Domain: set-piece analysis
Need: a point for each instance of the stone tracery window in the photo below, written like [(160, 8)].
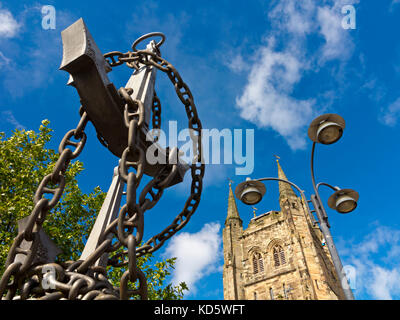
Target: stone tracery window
[(279, 256), (258, 263), (255, 264)]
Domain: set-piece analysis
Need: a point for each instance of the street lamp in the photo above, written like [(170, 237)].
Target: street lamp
[(328, 129), (343, 201), (250, 192)]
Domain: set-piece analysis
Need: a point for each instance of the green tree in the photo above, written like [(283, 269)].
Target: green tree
[(24, 161)]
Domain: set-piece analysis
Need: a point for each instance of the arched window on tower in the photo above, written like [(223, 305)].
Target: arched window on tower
[(279, 256), (255, 264), (258, 263)]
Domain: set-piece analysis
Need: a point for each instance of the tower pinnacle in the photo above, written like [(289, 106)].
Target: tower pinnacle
[(285, 189), (232, 208)]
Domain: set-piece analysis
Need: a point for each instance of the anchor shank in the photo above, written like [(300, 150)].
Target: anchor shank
[(108, 213)]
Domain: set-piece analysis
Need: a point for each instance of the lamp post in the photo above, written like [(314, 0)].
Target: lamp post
[(326, 129)]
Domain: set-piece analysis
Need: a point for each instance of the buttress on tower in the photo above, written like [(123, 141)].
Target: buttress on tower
[(281, 254)]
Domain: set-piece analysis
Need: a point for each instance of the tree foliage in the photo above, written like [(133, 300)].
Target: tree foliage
[(24, 161)]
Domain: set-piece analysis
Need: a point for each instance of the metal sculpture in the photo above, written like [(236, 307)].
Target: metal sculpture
[(122, 122)]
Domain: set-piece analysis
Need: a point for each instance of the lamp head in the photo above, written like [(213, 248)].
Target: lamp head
[(343, 200), (326, 129), (250, 192)]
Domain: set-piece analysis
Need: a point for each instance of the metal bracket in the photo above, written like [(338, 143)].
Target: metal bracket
[(319, 210), (47, 250)]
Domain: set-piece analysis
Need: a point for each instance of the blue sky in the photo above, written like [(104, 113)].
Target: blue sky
[(271, 66)]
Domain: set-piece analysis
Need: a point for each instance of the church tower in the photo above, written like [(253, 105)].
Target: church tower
[(280, 255), (231, 238)]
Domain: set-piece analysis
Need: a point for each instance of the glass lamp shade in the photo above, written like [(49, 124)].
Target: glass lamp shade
[(329, 132), (250, 192), (326, 129), (345, 204), (251, 195), (343, 201)]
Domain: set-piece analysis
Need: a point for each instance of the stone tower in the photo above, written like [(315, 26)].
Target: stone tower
[(280, 255)]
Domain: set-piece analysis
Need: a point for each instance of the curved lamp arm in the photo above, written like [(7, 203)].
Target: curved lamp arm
[(317, 196), (327, 185), (312, 168), (316, 187), (297, 188)]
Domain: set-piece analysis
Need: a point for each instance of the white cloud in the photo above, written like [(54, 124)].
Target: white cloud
[(4, 61), (296, 17), (8, 25), (237, 63), (38, 43), (376, 261), (337, 42), (391, 114), (393, 4), (268, 98), (385, 283), (198, 254), (8, 116)]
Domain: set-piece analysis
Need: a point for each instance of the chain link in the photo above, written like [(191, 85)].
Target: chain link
[(156, 119)]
